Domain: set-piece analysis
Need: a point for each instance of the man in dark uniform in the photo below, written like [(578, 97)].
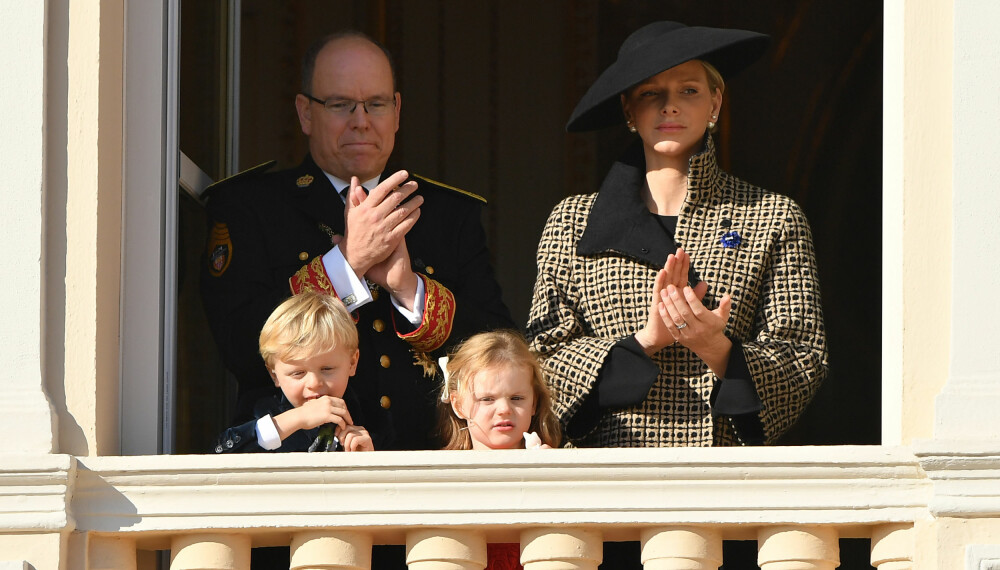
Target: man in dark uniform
[(406, 255)]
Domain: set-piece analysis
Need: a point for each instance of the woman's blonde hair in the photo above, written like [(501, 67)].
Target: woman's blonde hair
[(305, 325), (715, 80), (489, 350)]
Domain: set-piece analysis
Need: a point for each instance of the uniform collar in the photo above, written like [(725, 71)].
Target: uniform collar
[(340, 184), (312, 193)]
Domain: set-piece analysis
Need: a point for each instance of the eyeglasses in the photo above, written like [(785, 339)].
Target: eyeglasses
[(345, 107)]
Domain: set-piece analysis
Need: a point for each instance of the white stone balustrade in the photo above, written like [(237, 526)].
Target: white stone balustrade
[(681, 548), (446, 506)]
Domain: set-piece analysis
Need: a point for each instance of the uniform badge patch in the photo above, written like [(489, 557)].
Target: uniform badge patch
[(304, 181), (220, 249)]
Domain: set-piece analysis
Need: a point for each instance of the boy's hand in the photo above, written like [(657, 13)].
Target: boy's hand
[(355, 438), (313, 413)]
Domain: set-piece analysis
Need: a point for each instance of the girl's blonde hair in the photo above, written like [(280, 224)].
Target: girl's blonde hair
[(489, 350), (305, 325)]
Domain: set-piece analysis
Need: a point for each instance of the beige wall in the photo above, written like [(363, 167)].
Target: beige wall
[(926, 210), (93, 227), (22, 159), (42, 551)]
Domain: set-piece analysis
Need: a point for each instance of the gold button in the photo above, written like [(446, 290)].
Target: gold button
[(385, 402), (384, 361), (303, 256), (374, 294), (430, 270), (378, 325)]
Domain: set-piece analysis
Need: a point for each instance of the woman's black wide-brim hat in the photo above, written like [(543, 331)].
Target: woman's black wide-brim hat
[(657, 47)]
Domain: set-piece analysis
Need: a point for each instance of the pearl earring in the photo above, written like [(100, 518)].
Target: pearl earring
[(630, 126), (711, 124)]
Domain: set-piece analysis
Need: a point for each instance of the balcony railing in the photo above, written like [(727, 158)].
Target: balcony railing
[(445, 506)]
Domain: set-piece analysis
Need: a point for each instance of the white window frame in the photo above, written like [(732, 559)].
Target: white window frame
[(149, 280)]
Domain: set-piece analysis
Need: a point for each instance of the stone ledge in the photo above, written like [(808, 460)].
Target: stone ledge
[(513, 489), (965, 476), (36, 492)]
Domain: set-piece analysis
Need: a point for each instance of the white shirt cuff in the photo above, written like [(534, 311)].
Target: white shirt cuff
[(416, 316), (353, 292), (267, 433)]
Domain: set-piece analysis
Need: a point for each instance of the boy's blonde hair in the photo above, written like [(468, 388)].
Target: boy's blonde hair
[(305, 325), (490, 350)]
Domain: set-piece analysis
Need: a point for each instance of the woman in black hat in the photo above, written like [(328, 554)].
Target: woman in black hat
[(678, 305)]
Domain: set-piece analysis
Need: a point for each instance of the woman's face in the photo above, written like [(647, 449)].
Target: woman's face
[(671, 109)]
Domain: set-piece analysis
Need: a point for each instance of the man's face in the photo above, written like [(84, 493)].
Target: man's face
[(358, 144)]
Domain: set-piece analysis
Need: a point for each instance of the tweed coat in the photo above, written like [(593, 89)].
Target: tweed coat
[(268, 227), (597, 260)]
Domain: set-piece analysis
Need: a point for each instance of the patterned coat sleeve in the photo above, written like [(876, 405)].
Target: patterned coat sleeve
[(571, 356), (787, 357)]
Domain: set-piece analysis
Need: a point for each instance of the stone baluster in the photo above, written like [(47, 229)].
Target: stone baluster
[(445, 549), (324, 550), (892, 547), (561, 549), (681, 548), (210, 552), (798, 548)]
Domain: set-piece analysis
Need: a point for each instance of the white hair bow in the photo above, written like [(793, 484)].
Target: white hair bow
[(445, 392)]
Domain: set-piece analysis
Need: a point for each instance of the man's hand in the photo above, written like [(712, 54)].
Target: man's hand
[(396, 276), (374, 225)]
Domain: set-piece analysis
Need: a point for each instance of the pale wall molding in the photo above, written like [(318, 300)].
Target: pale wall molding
[(614, 489), (36, 493), (965, 476)]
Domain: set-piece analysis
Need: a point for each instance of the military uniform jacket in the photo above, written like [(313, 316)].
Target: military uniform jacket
[(270, 230), (597, 260)]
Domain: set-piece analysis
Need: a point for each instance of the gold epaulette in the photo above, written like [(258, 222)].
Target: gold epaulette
[(452, 188), (243, 173)]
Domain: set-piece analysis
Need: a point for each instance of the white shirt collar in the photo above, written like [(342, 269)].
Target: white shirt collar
[(339, 184)]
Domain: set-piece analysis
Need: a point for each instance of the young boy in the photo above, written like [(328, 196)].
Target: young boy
[(310, 347)]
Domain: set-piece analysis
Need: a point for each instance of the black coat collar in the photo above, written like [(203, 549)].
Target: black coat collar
[(620, 223), (312, 193)]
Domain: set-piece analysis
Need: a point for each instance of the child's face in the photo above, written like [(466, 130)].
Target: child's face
[(499, 408), (325, 374)]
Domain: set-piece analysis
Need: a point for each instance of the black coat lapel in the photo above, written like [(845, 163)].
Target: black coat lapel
[(619, 221)]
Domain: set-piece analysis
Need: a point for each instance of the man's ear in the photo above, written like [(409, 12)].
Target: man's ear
[(274, 377), (304, 110), (399, 104)]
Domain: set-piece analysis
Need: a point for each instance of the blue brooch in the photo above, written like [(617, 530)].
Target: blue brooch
[(731, 239)]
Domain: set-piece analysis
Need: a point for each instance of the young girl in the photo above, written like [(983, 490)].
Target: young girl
[(494, 396)]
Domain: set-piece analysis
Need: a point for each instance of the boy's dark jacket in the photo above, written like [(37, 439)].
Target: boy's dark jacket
[(243, 438)]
